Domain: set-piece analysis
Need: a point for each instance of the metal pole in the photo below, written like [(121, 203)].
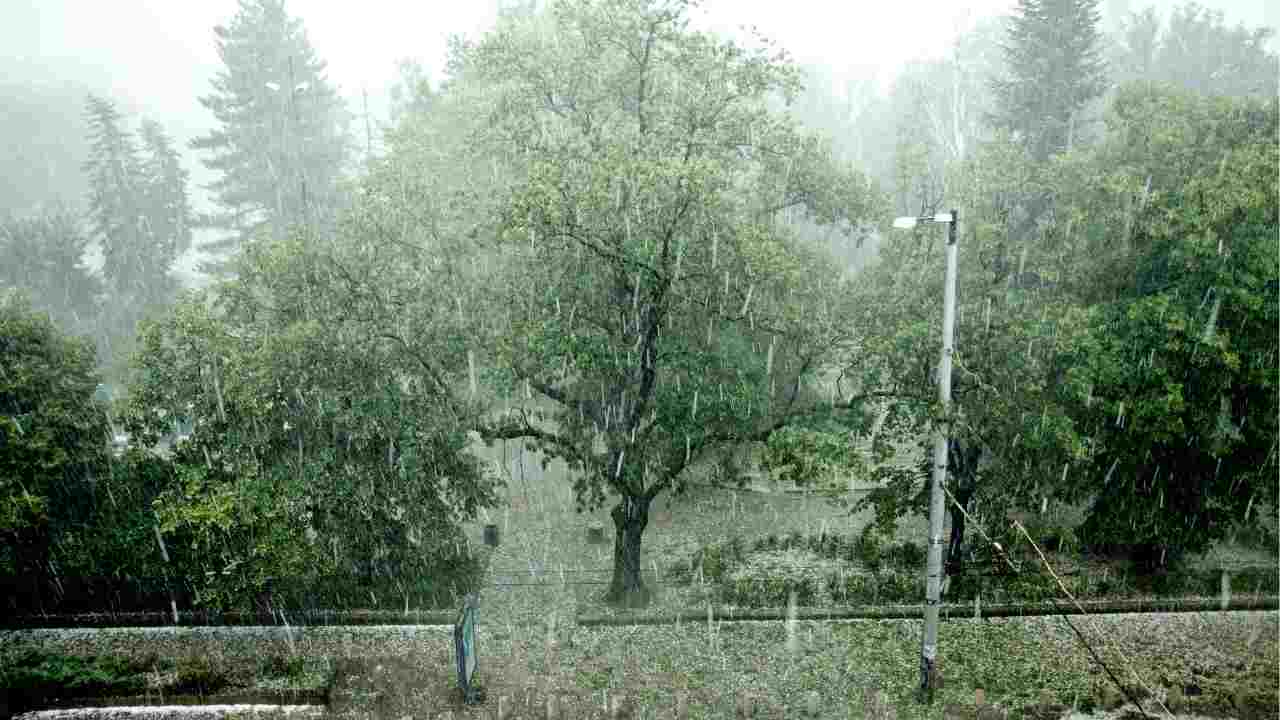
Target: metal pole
[(933, 571)]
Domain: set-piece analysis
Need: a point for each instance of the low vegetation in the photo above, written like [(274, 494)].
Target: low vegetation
[(1213, 664), (37, 677)]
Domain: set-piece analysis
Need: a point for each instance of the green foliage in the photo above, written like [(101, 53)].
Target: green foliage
[(1174, 382), (318, 449), (198, 674), (869, 549), (36, 677), (630, 210), (1120, 382), (52, 436), (812, 458), (44, 256)]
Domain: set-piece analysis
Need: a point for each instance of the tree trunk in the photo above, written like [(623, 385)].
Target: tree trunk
[(963, 464), (955, 550), (630, 517)]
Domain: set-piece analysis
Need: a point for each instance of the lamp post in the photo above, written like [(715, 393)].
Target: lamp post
[(933, 569)]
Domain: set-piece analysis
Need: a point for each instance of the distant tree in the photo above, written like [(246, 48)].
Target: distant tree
[(165, 204), (1199, 52), (412, 94), (44, 256), (281, 145), (137, 211), (116, 216), (1137, 52), (40, 164), (1053, 68)]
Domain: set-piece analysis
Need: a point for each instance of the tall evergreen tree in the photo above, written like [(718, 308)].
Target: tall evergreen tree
[(166, 205), (137, 210), (115, 210), (115, 178), (283, 142), (1054, 67)]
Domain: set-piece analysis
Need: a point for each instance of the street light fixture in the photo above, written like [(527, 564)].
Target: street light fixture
[(906, 223), (933, 569)]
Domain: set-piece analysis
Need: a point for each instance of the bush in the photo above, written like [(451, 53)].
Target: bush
[(909, 556), (856, 589), (869, 550), (52, 432), (197, 674), (35, 678)]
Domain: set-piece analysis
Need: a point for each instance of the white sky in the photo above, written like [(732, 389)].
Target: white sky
[(160, 55)]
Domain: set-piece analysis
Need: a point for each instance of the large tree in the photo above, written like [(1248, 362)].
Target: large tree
[(653, 290), (281, 145), (1127, 367), (1053, 68), (600, 198), (115, 211)]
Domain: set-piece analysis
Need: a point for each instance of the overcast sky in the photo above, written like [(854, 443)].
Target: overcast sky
[(155, 57)]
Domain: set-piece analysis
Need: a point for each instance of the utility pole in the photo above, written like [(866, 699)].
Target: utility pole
[(933, 568)]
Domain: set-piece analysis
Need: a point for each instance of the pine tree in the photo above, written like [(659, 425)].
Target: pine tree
[(138, 211), (1054, 67), (166, 206), (283, 142), (115, 203)]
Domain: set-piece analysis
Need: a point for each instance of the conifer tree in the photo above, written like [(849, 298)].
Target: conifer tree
[(282, 142), (166, 205), (1054, 67), (138, 212), (115, 213)]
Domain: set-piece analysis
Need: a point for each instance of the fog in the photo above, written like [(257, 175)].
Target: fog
[(155, 57), (458, 308)]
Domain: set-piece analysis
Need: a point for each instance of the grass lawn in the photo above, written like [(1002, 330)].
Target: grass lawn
[(1224, 664)]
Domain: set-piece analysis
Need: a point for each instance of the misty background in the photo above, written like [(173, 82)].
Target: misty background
[(154, 59)]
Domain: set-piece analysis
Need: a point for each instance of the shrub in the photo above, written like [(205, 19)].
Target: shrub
[(734, 548), (197, 674), (909, 556), (870, 550), (856, 589), (36, 677), (714, 564)]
